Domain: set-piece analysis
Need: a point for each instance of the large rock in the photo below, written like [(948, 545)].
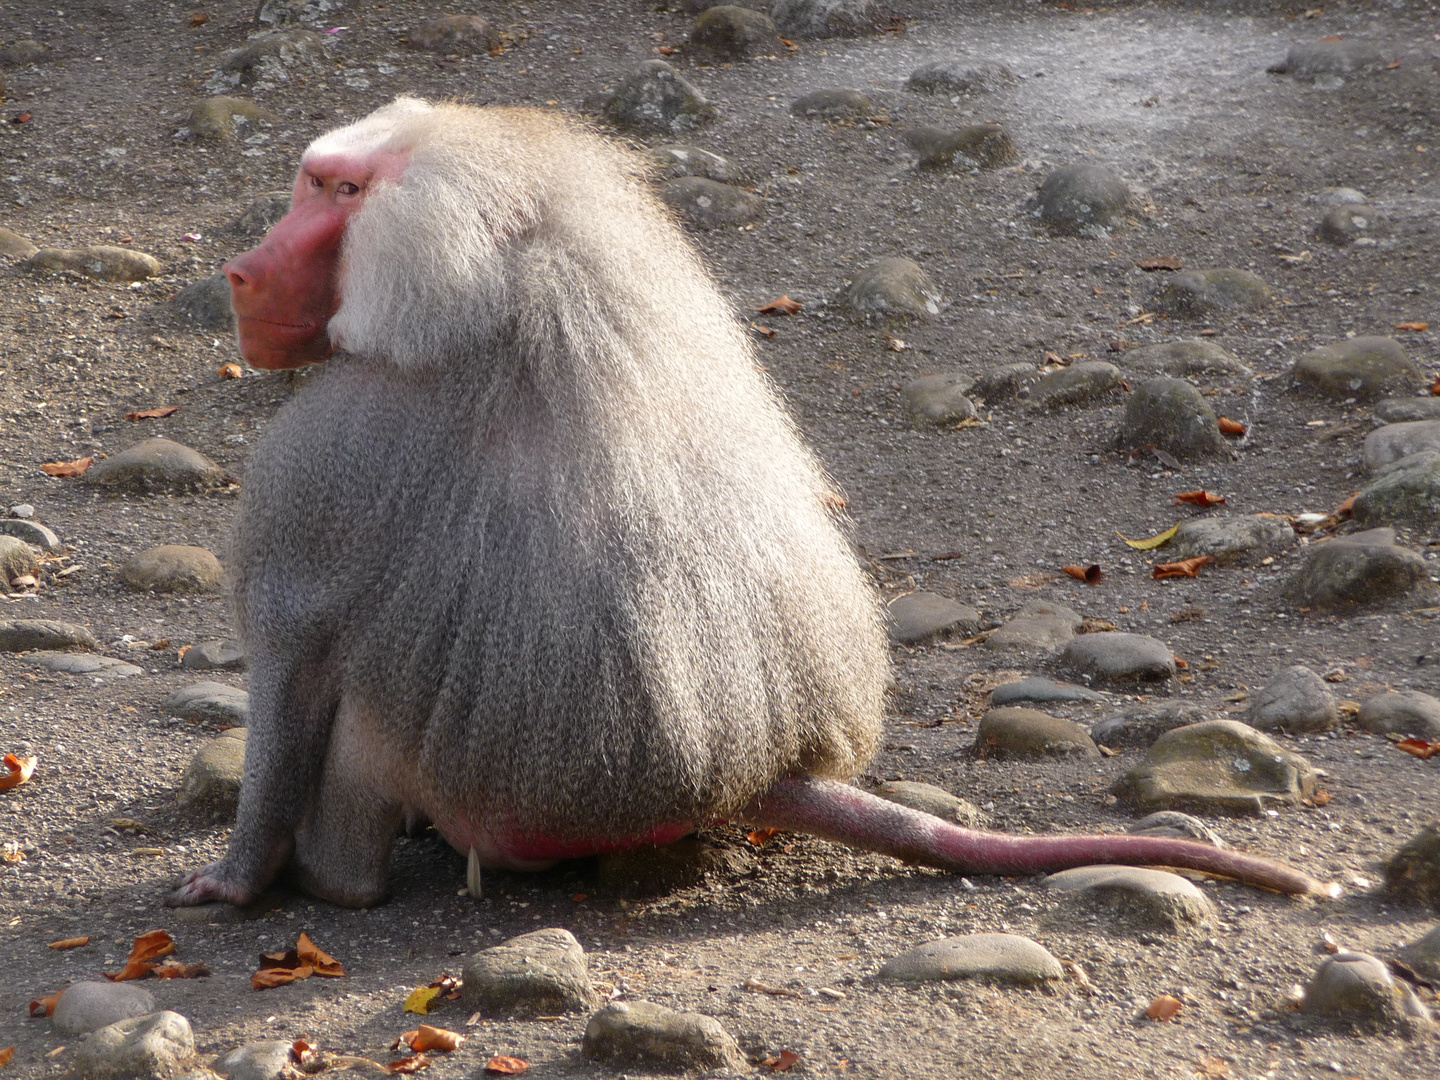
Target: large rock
[(211, 784), (929, 799), (1294, 700), (540, 972), (832, 103), (88, 1006), (1406, 493), (894, 288), (1140, 725), (1188, 357), (645, 1034), (1118, 658), (206, 303), (178, 568), (939, 399), (922, 616), (654, 97), (1364, 368), (1220, 766), (157, 1046), (1078, 384), (1173, 416), (1029, 733), (979, 146), (829, 18), (211, 701), (1413, 872), (1000, 958), (1393, 442), (735, 33), (1334, 56), (156, 466), (1359, 570), (1083, 199), (1232, 540), (1132, 896), (1038, 627), (1200, 293), (1403, 712), (22, 635), (98, 261), (1357, 990)]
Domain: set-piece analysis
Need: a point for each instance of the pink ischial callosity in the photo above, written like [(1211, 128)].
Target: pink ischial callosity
[(285, 291)]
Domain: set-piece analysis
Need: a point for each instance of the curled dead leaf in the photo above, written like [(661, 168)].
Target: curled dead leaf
[(761, 837), (45, 1006), (230, 371), (763, 331), (783, 306), (1183, 568), (783, 1061), (1091, 575), (1413, 327), (70, 943), (1420, 748), (426, 1038), (1322, 798), (1164, 1007), (67, 469), (153, 414), (17, 771), (506, 1066), (174, 969), (324, 964), (419, 1000), (1201, 498), (408, 1065), (1231, 427), (6, 1055)]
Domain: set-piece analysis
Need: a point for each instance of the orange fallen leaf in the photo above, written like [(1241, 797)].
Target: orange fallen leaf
[(506, 1066), (230, 371), (783, 1061), (1183, 568), (67, 468), (153, 414), (405, 1066), (789, 44), (302, 1052), (1091, 575), (174, 969), (783, 306), (1322, 798), (18, 770), (1231, 427), (1419, 747), (665, 50), (1200, 498), (763, 331), (1414, 327), (1164, 1007), (761, 837), (70, 942), (1435, 387), (6, 1055), (45, 1006), (1164, 262), (426, 1038), (269, 978), (324, 964)]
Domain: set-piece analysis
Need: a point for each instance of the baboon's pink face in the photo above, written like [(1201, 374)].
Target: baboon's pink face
[(286, 290)]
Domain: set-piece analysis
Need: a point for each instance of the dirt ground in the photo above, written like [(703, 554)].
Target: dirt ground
[(1228, 160)]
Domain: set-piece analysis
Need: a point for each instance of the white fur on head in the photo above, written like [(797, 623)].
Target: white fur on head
[(372, 133)]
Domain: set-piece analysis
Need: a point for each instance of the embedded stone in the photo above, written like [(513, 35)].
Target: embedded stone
[(173, 568), (1083, 198), (263, 214), (1331, 56), (1413, 872), (206, 303), (15, 246), (1243, 539), (921, 616), (1388, 444), (88, 1006), (1407, 492), (1358, 990), (832, 104), (735, 33), (939, 399), (96, 667), (1029, 733), (1294, 700), (953, 77), (1358, 570), (542, 972), (1198, 293), (32, 532), (1037, 627), (1172, 823), (1423, 955), (1140, 725), (1037, 688), (980, 146), (710, 204), (1343, 225), (1401, 712), (1173, 416), (1078, 384), (1219, 766), (675, 160), (1118, 657), (98, 261), (1185, 358), (1134, 896), (271, 58), (266, 1060), (655, 97), (929, 799), (829, 18), (212, 779), (157, 1046), (222, 118), (1403, 409), (16, 559), (209, 701), (894, 288), (463, 35), (156, 466), (215, 656), (1362, 367), (1000, 958), (645, 1034), (22, 635), (1005, 381)]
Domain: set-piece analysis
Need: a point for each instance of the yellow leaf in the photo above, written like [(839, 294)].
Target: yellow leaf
[(1154, 542), (419, 1000)]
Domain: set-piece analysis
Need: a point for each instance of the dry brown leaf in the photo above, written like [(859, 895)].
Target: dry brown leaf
[(174, 969), (153, 414), (1164, 262), (426, 1038), (783, 306), (763, 331), (230, 371), (70, 942), (1231, 427), (405, 1066), (1414, 327), (1322, 798), (1419, 747), (783, 1061), (17, 771), (506, 1066), (1201, 498), (269, 978), (6, 1055), (1435, 386), (1183, 568), (761, 837), (1091, 575), (67, 468), (1164, 1007), (324, 964), (45, 1006), (1213, 1066)]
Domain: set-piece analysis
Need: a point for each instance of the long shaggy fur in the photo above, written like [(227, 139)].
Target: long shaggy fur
[(543, 521)]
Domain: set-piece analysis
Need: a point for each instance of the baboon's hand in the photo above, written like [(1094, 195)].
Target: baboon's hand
[(213, 882)]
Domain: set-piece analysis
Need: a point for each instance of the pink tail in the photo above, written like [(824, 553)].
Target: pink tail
[(847, 815)]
